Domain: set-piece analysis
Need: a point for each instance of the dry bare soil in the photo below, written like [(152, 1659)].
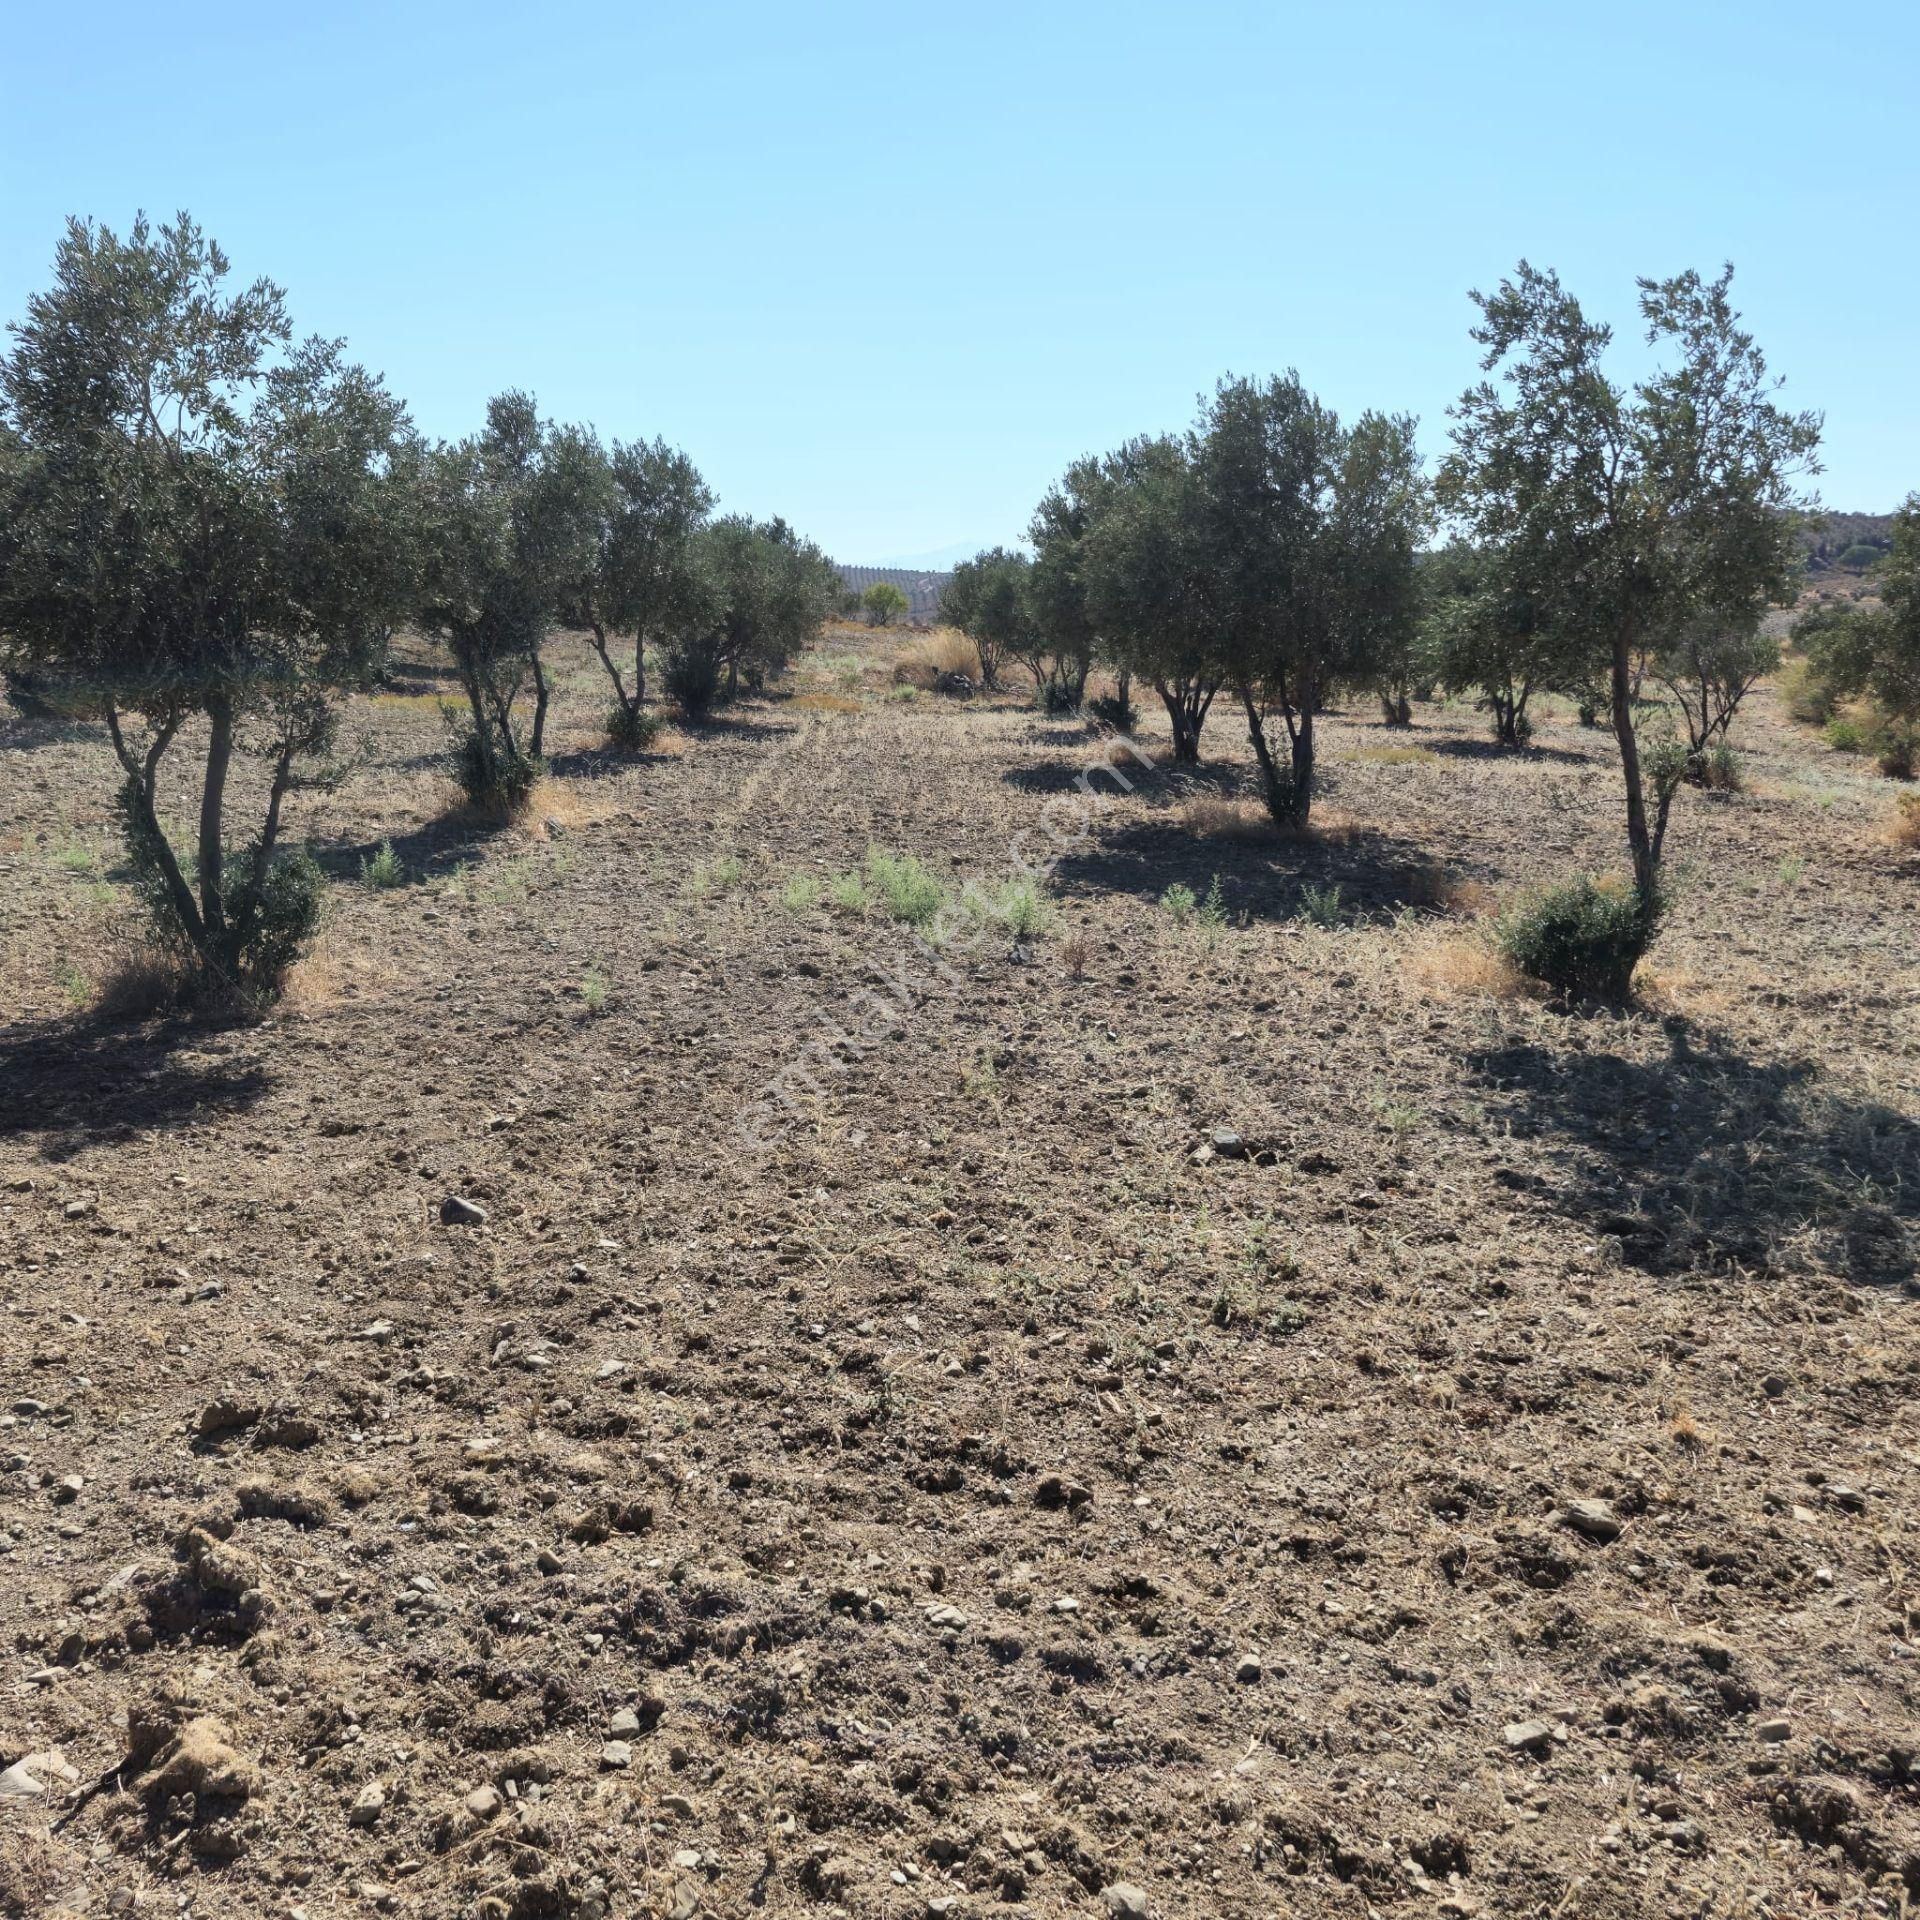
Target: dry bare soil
[(962, 1484)]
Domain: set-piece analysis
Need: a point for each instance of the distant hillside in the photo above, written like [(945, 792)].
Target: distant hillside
[(922, 588), (1848, 541)]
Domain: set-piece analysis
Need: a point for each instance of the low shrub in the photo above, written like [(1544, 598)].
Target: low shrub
[(692, 678), (1905, 830), (1805, 694), (1896, 748), (1179, 903), (1843, 735), (1718, 770), (1320, 906), (633, 729), (1112, 711), (1053, 698), (383, 869), (498, 782), (801, 894), (1582, 938), (905, 887)]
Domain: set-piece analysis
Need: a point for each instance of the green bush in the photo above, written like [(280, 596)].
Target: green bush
[(1895, 746), (693, 678), (383, 869), (907, 889), (1111, 711), (1582, 938), (1718, 769), (1179, 902), (498, 781), (633, 729), (1843, 735)]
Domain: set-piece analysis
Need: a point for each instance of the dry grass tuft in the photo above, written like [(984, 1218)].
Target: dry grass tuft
[(929, 655), (1903, 830), (1208, 817), (566, 803), (826, 703), (1465, 964), (1396, 756), (140, 981), (334, 971)]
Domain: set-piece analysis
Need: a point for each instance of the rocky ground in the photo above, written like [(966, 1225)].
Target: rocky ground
[(644, 1390)]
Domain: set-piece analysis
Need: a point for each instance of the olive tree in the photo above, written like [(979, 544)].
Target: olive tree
[(204, 543), (647, 579), (1310, 530), (1710, 665), (764, 594), (1632, 512), (1150, 583), (986, 598), (883, 603), (1487, 633)]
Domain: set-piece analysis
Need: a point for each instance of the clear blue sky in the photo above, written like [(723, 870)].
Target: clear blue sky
[(886, 269)]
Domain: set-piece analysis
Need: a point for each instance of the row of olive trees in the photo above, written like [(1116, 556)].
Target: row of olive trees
[(1594, 534), (1269, 553), (207, 526)]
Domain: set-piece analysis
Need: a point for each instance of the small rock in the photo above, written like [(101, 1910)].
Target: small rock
[(67, 1489), (1528, 1736), (946, 1616), (1125, 1901), (458, 1212), (616, 1755), (368, 1805), (1228, 1144), (1248, 1670), (1780, 1729), (483, 1802), (19, 1783), (1595, 1519), (624, 1725)]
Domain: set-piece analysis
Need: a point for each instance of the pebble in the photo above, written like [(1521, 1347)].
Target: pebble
[(1248, 1670), (368, 1805), (615, 1755), (624, 1724), (67, 1489), (458, 1212), (1528, 1736), (946, 1616), (1125, 1901), (483, 1802), (1774, 1730)]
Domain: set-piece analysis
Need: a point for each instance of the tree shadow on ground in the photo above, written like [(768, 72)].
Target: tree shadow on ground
[(1706, 1159), (1458, 749), (602, 762), (1154, 781), (29, 733), (81, 1081), (737, 726), (428, 853), (1264, 874)]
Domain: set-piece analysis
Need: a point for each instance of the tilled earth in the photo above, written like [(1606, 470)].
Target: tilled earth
[(1163, 1413)]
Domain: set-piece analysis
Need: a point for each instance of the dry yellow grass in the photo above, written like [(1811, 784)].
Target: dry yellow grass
[(826, 703), (1903, 830), (1207, 817), (928, 655), (1451, 963), (336, 969)]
